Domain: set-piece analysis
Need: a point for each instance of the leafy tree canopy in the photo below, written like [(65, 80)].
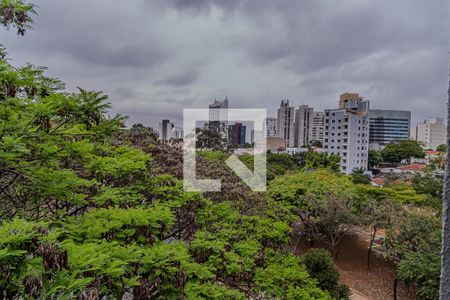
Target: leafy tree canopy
[(398, 151), (17, 14)]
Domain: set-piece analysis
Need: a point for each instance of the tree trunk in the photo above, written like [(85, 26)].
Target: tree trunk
[(444, 291), (332, 246), (338, 251), (369, 252), (296, 244), (394, 288)]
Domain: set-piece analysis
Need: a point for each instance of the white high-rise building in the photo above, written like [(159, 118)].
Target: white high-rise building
[(431, 133), (347, 132), (318, 127), (270, 124), (217, 113), (168, 131), (303, 125), (285, 124)]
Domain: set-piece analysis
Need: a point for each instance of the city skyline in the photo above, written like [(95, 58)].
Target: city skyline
[(164, 56), (383, 122)]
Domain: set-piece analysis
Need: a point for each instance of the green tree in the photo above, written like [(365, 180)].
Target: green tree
[(320, 266), (323, 202), (90, 210), (397, 151), (442, 148), (323, 160), (422, 269), (431, 186), (378, 209), (416, 234), (374, 158), (211, 136), (16, 14), (359, 177)]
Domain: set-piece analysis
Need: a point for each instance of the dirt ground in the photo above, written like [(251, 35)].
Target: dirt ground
[(374, 283)]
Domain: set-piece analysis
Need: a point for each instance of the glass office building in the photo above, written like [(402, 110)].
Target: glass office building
[(388, 126)]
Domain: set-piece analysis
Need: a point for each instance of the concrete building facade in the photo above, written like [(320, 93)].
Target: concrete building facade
[(285, 123), (168, 131), (431, 133), (346, 97), (236, 134), (318, 127), (347, 132), (270, 125), (303, 125), (217, 113)]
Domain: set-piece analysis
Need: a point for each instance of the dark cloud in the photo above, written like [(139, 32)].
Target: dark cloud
[(133, 56), (155, 58), (182, 79), (125, 92), (204, 6)]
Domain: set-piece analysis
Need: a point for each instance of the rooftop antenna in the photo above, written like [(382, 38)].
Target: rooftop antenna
[(444, 292)]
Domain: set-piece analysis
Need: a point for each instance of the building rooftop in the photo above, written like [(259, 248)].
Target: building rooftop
[(413, 167)]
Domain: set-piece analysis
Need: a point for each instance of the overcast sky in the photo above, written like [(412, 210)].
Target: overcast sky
[(154, 58)]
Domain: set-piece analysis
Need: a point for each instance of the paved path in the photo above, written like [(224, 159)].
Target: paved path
[(367, 284), (359, 296)]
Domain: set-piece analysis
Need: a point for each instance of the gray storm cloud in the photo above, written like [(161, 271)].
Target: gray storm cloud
[(156, 57)]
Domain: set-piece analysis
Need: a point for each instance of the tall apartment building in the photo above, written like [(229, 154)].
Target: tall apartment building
[(431, 133), (285, 124), (216, 112), (168, 131), (347, 132), (346, 97), (270, 124), (303, 125), (388, 126), (318, 127), (236, 134)]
